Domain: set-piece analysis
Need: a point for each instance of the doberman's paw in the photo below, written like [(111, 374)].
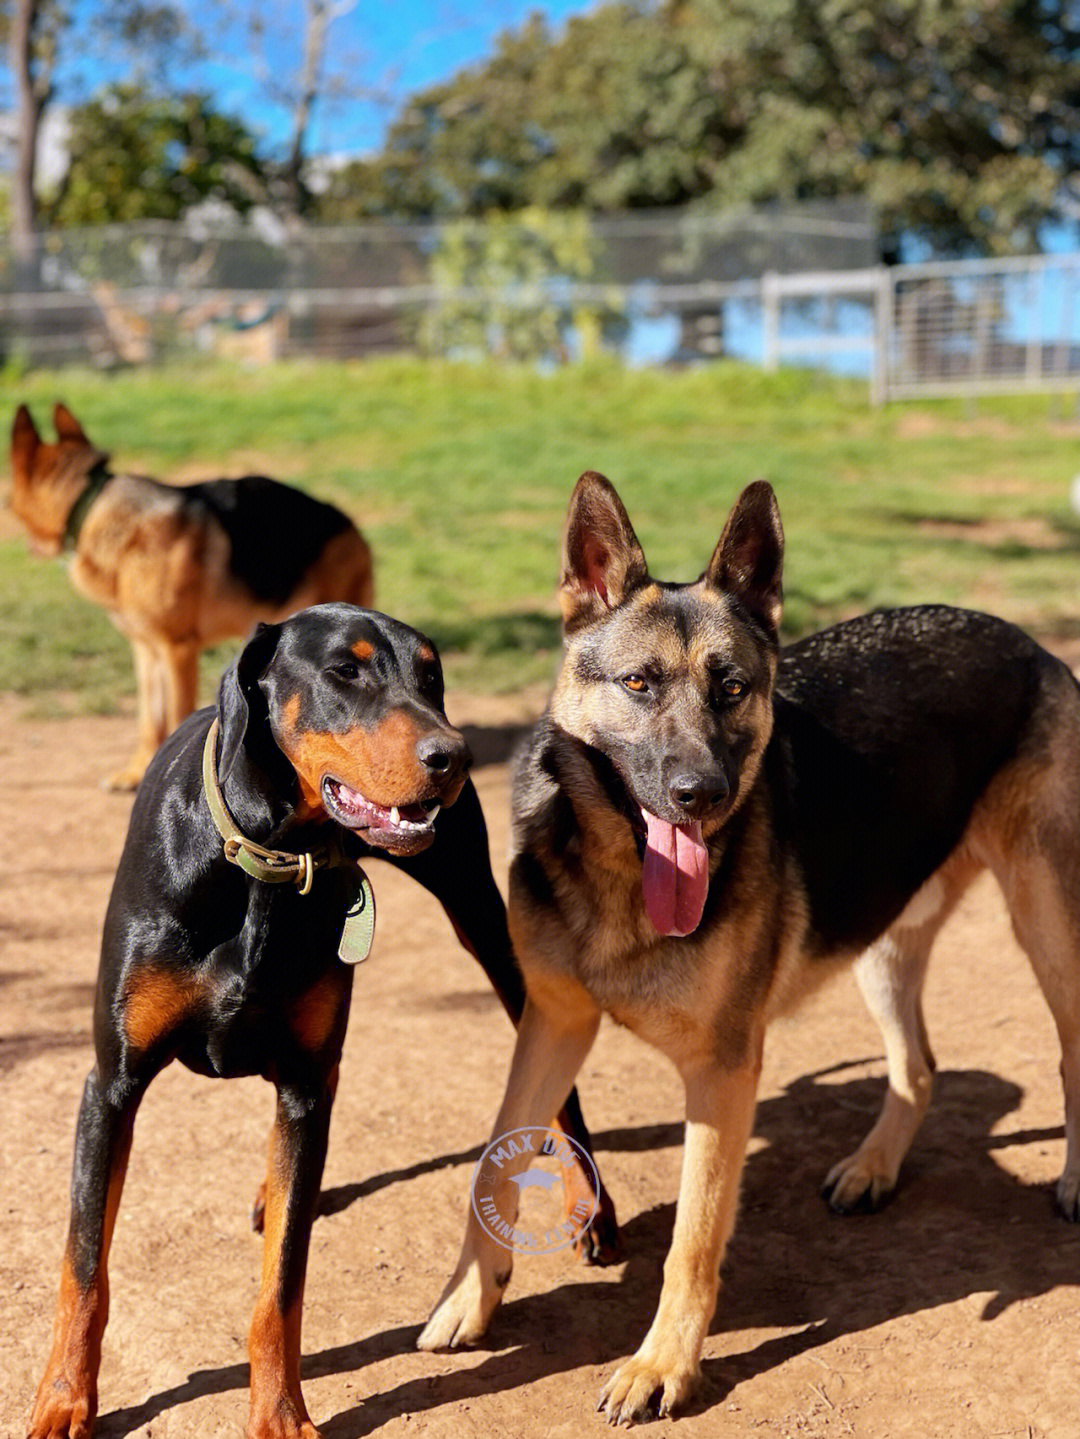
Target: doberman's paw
[(601, 1243), (462, 1314), (1068, 1194), (282, 1420), (647, 1387), (61, 1411), (258, 1209)]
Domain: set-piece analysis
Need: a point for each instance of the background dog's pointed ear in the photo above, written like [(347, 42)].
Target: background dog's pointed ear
[(602, 562), (67, 426), (25, 441), (748, 560), (242, 711)]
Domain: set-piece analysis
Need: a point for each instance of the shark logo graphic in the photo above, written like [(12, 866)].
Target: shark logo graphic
[(517, 1190)]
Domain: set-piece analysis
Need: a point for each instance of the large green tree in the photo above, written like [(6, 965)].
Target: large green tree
[(138, 156), (959, 119)]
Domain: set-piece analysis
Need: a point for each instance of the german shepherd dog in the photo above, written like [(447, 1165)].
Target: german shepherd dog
[(704, 828), (178, 567)]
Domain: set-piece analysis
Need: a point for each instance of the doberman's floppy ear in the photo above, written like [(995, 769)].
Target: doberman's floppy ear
[(748, 561), (602, 562), (25, 442), (242, 710)]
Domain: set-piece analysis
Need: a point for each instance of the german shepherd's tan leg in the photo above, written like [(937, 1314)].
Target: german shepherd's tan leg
[(890, 975), (719, 1117), (180, 667), (1045, 908), (150, 712), (556, 1033)]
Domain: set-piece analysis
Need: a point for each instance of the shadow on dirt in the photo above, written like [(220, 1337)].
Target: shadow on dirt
[(961, 1225)]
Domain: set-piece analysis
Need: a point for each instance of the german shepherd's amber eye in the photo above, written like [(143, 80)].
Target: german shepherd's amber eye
[(635, 683), (734, 689)]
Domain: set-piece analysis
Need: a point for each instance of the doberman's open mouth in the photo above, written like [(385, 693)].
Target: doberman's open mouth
[(381, 825)]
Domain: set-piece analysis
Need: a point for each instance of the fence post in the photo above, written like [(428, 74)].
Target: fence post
[(883, 312), (770, 300)]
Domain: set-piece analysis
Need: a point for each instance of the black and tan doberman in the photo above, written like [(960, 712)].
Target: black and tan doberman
[(329, 744)]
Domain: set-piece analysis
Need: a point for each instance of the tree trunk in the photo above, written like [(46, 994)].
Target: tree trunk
[(30, 103)]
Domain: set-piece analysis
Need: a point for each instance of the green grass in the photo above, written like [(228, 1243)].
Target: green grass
[(459, 475)]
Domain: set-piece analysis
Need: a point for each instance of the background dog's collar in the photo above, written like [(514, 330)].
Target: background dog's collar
[(272, 866), (96, 481)]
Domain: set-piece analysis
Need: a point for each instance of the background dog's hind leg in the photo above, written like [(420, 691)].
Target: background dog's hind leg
[(149, 717), (890, 975), (179, 665)]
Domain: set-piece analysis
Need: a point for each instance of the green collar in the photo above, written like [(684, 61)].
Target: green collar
[(272, 866), (96, 481)]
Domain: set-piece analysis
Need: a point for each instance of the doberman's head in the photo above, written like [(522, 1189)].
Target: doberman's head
[(670, 686), (47, 479), (353, 701)]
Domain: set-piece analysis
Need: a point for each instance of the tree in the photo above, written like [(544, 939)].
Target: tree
[(960, 121), (33, 30), (137, 156), (37, 30)]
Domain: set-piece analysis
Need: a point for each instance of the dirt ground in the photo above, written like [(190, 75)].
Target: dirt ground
[(953, 1312)]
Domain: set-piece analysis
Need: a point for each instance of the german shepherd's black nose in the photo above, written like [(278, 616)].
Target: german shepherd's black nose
[(696, 794)]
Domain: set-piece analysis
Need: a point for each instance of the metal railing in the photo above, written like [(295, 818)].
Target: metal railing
[(674, 288)]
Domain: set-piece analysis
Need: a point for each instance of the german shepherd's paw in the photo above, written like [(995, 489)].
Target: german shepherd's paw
[(1068, 1195), (646, 1387), (861, 1181), (462, 1314), (124, 781), (61, 1411)]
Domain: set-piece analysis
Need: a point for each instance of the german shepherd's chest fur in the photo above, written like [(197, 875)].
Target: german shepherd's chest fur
[(844, 772)]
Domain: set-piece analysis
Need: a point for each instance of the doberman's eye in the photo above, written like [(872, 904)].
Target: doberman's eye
[(636, 684), (428, 676), (347, 670)]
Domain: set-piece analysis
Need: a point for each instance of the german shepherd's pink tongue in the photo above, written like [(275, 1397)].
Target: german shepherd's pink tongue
[(675, 876)]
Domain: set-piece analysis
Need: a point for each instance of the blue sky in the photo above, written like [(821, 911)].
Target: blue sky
[(388, 48)]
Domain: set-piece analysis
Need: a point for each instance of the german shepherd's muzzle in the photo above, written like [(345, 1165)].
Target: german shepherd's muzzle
[(704, 828)]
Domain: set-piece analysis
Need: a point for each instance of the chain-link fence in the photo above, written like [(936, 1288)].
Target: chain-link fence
[(797, 284), (534, 285)]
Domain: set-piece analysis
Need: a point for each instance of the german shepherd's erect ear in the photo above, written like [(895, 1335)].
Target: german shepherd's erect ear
[(602, 562), (748, 560), (67, 426), (25, 442)]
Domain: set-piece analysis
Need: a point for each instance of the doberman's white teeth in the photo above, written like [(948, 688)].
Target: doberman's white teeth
[(395, 817), (433, 810)]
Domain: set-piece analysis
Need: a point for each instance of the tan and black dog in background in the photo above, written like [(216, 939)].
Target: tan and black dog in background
[(179, 567), (704, 827)]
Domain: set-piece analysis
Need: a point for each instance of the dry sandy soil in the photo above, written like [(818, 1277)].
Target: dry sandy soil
[(953, 1312)]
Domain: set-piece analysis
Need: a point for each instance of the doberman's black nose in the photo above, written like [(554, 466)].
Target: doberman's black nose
[(444, 755), (696, 794)]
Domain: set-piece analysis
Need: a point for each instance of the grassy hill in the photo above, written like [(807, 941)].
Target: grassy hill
[(459, 475)]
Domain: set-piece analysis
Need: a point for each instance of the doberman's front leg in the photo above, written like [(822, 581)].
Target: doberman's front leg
[(457, 871), (66, 1401), (297, 1154)]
